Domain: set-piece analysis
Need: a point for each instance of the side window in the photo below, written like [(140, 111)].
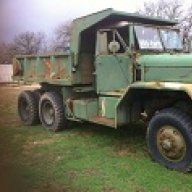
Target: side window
[(102, 43), (108, 39)]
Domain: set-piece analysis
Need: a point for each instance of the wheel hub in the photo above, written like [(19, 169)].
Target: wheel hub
[(171, 143), (166, 144), (48, 113)]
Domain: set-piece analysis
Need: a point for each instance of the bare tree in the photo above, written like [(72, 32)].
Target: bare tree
[(5, 53), (173, 10), (62, 37), (186, 26), (170, 9), (2, 53), (28, 43)]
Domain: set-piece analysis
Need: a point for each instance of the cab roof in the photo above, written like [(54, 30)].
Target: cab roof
[(109, 17), (131, 17)]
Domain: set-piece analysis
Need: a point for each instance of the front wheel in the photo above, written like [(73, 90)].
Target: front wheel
[(169, 139), (51, 111)]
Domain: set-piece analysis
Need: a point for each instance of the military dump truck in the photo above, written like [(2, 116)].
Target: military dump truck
[(121, 68)]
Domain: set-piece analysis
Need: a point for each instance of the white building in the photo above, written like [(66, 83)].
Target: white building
[(6, 72)]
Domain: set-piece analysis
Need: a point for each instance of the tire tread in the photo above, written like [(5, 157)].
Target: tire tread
[(57, 102), (183, 119), (32, 100)]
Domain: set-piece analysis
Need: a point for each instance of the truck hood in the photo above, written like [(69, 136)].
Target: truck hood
[(166, 60), (166, 67)]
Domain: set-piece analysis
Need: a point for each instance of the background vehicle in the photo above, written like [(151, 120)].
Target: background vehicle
[(121, 68)]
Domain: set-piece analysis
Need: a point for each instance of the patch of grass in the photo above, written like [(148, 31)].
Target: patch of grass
[(85, 157)]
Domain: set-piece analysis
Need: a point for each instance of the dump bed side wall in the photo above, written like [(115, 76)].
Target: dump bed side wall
[(57, 69), (43, 69)]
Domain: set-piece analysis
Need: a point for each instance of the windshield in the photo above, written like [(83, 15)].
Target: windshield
[(148, 38), (171, 39), (154, 38)]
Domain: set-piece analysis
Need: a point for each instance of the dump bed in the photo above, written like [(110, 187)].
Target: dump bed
[(54, 69)]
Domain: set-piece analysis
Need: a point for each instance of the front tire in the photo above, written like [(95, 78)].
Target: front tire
[(169, 139), (51, 111)]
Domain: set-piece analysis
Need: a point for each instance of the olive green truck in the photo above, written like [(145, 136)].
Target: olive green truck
[(121, 68)]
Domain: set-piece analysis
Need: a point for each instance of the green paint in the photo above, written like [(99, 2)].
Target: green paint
[(112, 72), (107, 106), (166, 67), (105, 83), (85, 109)]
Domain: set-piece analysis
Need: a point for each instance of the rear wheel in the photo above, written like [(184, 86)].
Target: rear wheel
[(38, 93), (51, 111), (169, 139), (28, 107)]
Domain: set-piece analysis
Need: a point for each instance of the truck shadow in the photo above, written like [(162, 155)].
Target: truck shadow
[(129, 131), (123, 141)]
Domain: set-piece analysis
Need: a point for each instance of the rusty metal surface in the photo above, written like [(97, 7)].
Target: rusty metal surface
[(17, 70), (84, 70), (43, 69), (47, 66)]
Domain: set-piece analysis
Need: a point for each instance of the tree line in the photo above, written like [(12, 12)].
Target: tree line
[(30, 43)]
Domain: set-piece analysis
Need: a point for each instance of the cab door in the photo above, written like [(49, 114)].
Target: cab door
[(113, 69)]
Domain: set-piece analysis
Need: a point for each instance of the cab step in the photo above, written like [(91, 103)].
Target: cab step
[(103, 121)]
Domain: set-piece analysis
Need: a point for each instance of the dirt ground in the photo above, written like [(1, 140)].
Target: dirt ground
[(9, 180)]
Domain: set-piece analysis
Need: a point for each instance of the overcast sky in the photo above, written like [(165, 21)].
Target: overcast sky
[(44, 15)]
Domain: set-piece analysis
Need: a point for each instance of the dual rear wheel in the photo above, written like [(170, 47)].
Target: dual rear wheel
[(48, 108)]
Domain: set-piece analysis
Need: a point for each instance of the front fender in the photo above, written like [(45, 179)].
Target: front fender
[(126, 108)]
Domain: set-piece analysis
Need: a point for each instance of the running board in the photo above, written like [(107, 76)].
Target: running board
[(103, 121)]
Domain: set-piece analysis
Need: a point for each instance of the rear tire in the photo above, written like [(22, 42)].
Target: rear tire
[(38, 93), (28, 108), (169, 139), (52, 112)]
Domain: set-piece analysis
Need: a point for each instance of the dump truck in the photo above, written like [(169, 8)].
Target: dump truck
[(120, 69)]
